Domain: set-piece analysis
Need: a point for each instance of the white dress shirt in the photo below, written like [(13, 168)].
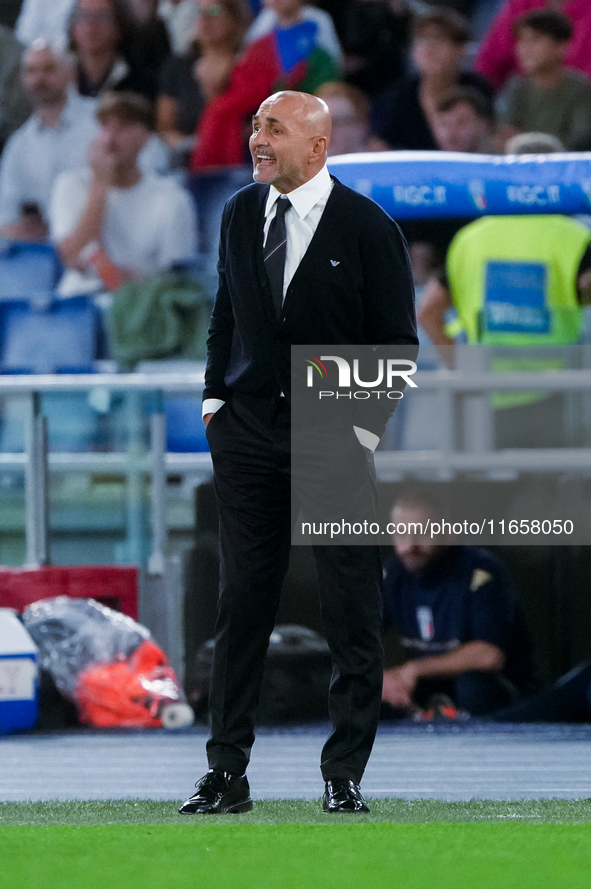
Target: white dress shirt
[(301, 221)]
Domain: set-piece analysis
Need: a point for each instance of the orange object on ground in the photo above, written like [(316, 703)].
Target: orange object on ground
[(130, 692)]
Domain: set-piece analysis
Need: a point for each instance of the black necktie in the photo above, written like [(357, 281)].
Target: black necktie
[(274, 254)]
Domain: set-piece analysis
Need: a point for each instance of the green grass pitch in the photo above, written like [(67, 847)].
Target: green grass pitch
[(291, 845)]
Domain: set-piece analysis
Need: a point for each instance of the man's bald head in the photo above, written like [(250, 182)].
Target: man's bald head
[(289, 143), (310, 110)]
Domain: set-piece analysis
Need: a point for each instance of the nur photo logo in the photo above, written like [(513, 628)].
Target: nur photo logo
[(347, 376)]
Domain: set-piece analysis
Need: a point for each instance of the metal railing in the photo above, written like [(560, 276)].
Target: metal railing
[(133, 463), (474, 455)]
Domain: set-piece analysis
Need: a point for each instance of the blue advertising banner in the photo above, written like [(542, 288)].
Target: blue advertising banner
[(438, 184)]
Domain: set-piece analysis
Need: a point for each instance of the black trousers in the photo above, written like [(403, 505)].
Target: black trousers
[(250, 448)]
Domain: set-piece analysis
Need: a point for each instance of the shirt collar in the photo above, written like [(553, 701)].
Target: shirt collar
[(305, 196)]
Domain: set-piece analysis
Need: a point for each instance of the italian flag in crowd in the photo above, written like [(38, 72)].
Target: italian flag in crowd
[(287, 58)]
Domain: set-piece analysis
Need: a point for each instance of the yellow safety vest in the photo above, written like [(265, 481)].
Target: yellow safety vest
[(513, 282)]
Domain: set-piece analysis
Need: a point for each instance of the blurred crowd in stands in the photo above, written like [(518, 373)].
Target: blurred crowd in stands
[(124, 123)]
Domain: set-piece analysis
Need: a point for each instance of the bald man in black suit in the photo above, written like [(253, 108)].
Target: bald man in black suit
[(346, 279)]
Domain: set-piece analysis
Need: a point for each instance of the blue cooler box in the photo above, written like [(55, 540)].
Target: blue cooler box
[(19, 675)]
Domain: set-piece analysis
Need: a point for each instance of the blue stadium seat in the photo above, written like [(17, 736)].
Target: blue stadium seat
[(64, 336), (185, 431), (28, 270)]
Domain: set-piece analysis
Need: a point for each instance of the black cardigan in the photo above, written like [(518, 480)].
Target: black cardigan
[(353, 286)]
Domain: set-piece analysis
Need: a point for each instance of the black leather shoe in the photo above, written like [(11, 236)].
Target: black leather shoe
[(342, 795), (219, 793)]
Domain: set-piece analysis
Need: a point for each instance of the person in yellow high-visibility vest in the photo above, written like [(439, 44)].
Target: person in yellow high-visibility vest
[(514, 281)]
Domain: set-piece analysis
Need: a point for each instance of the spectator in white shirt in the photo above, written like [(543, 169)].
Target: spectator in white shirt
[(55, 138), (111, 222)]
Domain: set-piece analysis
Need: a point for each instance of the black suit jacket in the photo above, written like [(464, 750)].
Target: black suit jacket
[(353, 286)]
